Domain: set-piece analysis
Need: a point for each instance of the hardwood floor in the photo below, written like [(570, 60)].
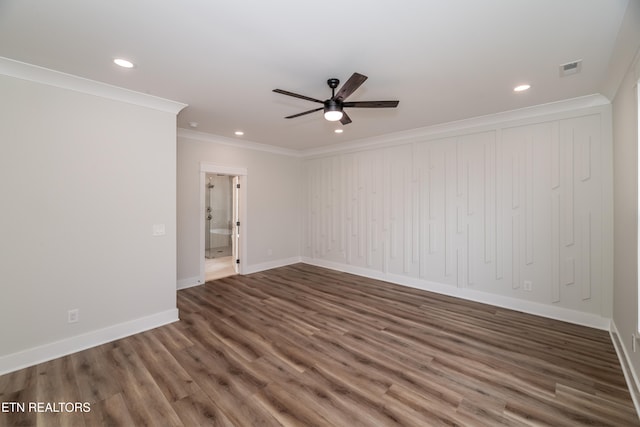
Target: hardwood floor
[(217, 268), (305, 346)]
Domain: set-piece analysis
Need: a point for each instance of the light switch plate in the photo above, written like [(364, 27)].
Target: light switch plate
[(158, 230)]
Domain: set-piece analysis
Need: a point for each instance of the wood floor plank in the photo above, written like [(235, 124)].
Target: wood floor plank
[(94, 376), (302, 345), (174, 382), (18, 380), (57, 386), (197, 409), (172, 337), (610, 411), (436, 411), (16, 416), (319, 399), (359, 399), (112, 411), (145, 401), (289, 409), (234, 398)]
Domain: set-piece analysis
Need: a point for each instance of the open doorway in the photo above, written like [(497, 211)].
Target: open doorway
[(222, 218), (219, 226)]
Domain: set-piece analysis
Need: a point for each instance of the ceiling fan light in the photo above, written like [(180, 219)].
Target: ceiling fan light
[(333, 115), (332, 111)]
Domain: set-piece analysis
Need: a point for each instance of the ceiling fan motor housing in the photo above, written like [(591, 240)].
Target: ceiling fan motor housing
[(333, 83), (333, 110), (332, 105)]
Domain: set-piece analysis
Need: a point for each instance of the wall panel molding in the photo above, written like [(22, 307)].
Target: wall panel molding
[(515, 210)]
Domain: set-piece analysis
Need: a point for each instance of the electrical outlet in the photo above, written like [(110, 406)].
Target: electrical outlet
[(73, 315), (528, 286)]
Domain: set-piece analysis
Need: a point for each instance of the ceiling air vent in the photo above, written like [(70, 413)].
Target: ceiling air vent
[(570, 68)]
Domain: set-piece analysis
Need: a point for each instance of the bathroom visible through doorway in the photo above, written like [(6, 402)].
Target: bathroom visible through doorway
[(221, 213)]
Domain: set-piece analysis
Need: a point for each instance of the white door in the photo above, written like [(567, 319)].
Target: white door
[(235, 230)]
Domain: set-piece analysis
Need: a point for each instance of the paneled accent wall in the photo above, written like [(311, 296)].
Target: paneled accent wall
[(513, 210)]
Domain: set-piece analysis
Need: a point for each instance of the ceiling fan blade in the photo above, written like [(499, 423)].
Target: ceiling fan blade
[(350, 86), (345, 120), (302, 114), (371, 104), (295, 95)]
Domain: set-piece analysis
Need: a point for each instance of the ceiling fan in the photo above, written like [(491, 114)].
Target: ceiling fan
[(334, 106)]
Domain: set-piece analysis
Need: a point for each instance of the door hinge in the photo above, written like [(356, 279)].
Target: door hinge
[(237, 261), (237, 223), (237, 185)]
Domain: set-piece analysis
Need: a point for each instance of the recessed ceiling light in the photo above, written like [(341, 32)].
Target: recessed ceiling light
[(338, 131), (521, 88), (239, 133), (193, 124), (123, 63)]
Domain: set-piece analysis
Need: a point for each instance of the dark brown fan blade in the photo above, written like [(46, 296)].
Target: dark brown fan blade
[(295, 95), (371, 104), (302, 114), (345, 120), (350, 86)]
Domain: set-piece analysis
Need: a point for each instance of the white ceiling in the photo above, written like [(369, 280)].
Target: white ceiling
[(445, 60)]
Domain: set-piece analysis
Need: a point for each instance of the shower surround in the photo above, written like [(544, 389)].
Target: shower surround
[(218, 215)]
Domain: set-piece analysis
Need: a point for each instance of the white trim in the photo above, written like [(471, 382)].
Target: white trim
[(559, 109), (545, 310), (607, 191), (188, 283), (209, 167), (237, 143), (256, 268), (242, 174), (627, 367), (34, 73), (554, 110), (637, 236), (33, 356)]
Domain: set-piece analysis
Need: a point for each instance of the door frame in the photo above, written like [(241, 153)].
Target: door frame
[(241, 173)]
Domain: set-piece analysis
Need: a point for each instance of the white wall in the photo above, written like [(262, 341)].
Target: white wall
[(83, 178), (477, 213), (625, 132), (273, 202)]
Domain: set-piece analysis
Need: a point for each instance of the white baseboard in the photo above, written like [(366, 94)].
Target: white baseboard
[(557, 313), (189, 282), (255, 268), (627, 368), (33, 356), (249, 269)]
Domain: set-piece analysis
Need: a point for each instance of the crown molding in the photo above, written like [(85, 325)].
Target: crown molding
[(250, 145), (553, 110), (569, 107), (34, 73)]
